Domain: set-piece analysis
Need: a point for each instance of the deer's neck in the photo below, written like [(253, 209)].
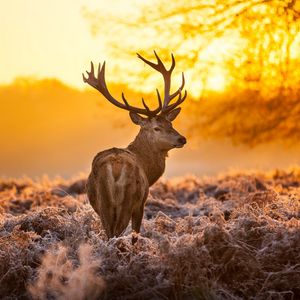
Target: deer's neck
[(151, 159)]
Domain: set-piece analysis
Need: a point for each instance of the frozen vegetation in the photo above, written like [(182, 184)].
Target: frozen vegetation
[(236, 236)]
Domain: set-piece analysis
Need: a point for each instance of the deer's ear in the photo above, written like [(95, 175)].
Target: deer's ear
[(171, 116), (136, 119)]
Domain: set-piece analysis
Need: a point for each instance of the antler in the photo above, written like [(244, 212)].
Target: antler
[(99, 84), (167, 107)]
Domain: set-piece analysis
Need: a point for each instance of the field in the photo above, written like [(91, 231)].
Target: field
[(233, 236)]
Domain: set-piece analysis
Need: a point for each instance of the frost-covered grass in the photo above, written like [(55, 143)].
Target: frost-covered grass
[(236, 236)]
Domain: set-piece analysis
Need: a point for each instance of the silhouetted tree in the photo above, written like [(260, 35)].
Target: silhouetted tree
[(262, 64)]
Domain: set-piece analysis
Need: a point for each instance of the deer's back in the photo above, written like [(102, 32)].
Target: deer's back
[(116, 177)]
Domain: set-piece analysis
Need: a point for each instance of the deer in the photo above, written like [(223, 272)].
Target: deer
[(119, 181)]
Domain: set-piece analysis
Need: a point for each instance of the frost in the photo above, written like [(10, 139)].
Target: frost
[(59, 278), (236, 236)]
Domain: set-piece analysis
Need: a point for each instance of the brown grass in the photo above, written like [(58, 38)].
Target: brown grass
[(235, 236)]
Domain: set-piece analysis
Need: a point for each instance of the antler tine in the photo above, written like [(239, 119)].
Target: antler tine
[(99, 69), (160, 67), (101, 79), (175, 104), (99, 84), (150, 63), (173, 63), (92, 68), (124, 100), (180, 89), (145, 105), (159, 100), (91, 80), (158, 109)]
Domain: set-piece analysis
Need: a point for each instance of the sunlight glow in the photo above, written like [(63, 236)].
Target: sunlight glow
[(216, 81), (46, 39), (35, 46), (245, 63)]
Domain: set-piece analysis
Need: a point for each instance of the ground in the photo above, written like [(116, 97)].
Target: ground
[(233, 236)]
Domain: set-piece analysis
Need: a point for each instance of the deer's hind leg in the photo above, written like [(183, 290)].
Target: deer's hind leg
[(98, 199), (106, 210), (137, 215), (117, 202), (122, 221), (126, 199), (109, 204)]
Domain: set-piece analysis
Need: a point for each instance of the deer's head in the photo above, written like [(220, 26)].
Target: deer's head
[(158, 130), (156, 125)]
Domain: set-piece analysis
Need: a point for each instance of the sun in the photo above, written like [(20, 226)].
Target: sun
[(216, 80)]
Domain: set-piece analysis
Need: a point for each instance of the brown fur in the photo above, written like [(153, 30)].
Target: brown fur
[(115, 188), (119, 182)]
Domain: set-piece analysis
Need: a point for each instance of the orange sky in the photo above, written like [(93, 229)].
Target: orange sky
[(49, 38), (42, 39), (49, 128), (53, 39)]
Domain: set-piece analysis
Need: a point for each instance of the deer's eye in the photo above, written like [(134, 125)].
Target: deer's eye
[(157, 129)]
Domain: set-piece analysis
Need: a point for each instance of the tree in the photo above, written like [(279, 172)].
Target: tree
[(253, 43)]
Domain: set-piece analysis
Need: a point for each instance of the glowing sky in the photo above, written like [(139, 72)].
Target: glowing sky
[(49, 38)]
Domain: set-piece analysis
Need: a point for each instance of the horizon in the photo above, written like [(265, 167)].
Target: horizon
[(43, 147)]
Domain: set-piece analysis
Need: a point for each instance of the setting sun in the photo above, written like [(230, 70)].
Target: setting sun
[(216, 80)]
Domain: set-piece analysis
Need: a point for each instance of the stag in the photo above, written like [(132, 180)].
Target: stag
[(119, 181)]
